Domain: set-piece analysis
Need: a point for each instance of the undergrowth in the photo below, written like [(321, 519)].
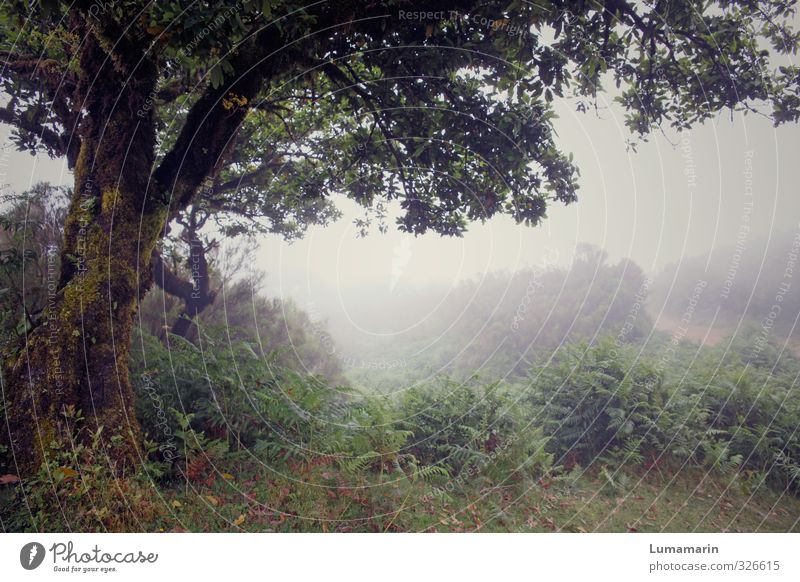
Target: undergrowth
[(599, 437)]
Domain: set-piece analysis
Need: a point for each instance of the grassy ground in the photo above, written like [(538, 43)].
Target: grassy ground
[(321, 501)]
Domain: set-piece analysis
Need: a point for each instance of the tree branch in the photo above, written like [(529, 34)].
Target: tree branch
[(340, 77), (207, 135), (169, 281)]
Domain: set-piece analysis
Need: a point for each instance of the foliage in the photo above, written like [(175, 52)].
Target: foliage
[(242, 434), (335, 104), (226, 387), (78, 487), (30, 233), (606, 403), (593, 400)]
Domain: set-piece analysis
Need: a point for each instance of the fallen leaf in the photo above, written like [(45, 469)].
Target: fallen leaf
[(227, 476), (6, 479), (176, 503), (239, 520), (67, 473), (212, 500)]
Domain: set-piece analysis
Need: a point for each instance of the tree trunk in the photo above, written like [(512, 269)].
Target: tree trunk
[(78, 359), (196, 293)]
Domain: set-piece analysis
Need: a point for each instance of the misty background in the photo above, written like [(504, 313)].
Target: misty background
[(723, 193)]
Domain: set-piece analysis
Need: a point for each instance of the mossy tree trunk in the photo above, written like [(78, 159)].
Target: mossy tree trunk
[(79, 357), (122, 200)]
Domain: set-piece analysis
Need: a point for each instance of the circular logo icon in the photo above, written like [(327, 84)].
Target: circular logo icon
[(31, 555)]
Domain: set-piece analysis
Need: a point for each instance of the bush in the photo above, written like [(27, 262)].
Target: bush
[(595, 400), (473, 427)]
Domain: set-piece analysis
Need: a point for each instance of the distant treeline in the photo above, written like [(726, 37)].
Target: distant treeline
[(494, 325), (754, 279)]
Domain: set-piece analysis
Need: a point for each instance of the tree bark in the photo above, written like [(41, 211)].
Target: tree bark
[(201, 295), (195, 294), (78, 359)]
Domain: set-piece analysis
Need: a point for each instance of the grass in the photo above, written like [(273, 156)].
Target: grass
[(323, 500)]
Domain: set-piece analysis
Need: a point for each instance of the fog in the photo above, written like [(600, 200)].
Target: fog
[(732, 180)]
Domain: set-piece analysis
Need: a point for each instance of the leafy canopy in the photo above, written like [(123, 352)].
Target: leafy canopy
[(446, 111)]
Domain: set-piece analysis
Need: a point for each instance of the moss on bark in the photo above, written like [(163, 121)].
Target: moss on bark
[(79, 356)]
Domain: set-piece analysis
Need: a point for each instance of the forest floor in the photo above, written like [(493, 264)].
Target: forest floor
[(689, 501), (320, 500)]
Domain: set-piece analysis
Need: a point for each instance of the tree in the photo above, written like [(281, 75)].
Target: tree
[(159, 107)]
